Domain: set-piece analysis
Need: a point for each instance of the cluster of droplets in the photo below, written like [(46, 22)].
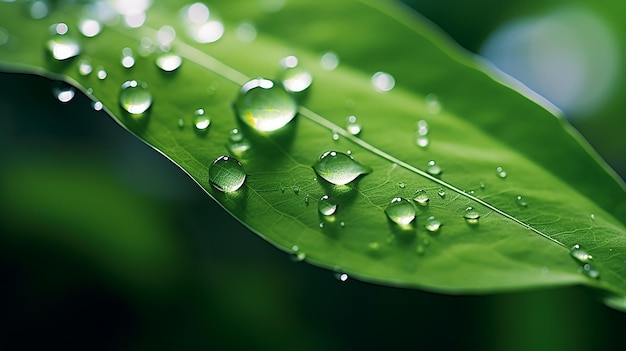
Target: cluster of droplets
[(421, 138), (585, 260)]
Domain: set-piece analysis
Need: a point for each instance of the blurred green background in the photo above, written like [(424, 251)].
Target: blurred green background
[(107, 245)]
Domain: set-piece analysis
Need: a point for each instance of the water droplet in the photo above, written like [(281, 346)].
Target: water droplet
[(128, 60), (422, 141), (432, 104), (330, 60), (297, 255), (89, 27), (201, 24), (520, 201), (593, 217), (97, 106), (326, 207), (165, 36), (335, 136), (246, 32), (296, 190), (353, 125), (383, 81), (342, 224), (63, 92), (181, 123), (101, 73), (400, 211), (421, 197), (433, 168), (590, 271), (579, 254), (321, 225), (338, 168), (135, 97), (39, 9), (471, 216), (342, 277), (420, 250), (401, 185), (306, 199), (482, 185), (264, 105), (62, 45), (237, 144), (169, 62), (432, 224), (293, 76), (84, 67), (422, 127), (441, 192), (226, 174), (201, 121), (501, 172)]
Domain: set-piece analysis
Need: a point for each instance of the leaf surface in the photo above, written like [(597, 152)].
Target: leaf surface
[(476, 123)]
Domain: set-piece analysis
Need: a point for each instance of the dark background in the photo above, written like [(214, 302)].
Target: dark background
[(107, 245)]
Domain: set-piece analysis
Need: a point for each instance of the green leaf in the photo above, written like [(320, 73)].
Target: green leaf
[(476, 123)]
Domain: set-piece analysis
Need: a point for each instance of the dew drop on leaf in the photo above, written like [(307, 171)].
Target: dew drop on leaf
[(62, 45), (326, 206), (97, 106), (84, 67), (226, 174), (432, 104), (422, 141), (400, 211), (520, 201), (471, 216), (246, 32), (329, 60), (201, 121), (237, 143), (421, 197), (165, 36), (342, 277), (181, 123), (89, 27), (579, 254), (202, 25), (293, 76), (432, 224), (501, 172), (101, 73), (590, 271), (401, 185), (169, 62), (433, 168), (135, 97), (63, 92), (441, 192), (297, 254), (383, 81), (39, 9), (353, 126), (335, 136), (338, 168), (128, 60), (265, 105), (422, 127)]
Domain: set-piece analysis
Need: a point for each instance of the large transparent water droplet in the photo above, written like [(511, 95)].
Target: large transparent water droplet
[(62, 45), (432, 224), (226, 174), (135, 97), (338, 168), (421, 198), (400, 211), (89, 27), (353, 127), (471, 216), (293, 76), (433, 168), (579, 254), (63, 92), (265, 105), (169, 62), (326, 206), (201, 24), (383, 81), (201, 121)]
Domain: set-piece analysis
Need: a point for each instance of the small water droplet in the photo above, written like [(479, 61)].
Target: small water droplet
[(433, 168), (62, 45), (432, 104), (39, 9), (237, 143), (432, 224), (128, 60), (296, 190), (383, 81), (246, 32), (84, 67), (169, 62), (422, 141), (326, 207), (135, 97), (590, 271), (501, 172), (342, 277), (471, 216), (89, 27), (335, 136), (226, 174), (422, 127), (338, 168), (400, 211), (307, 199), (293, 76), (579, 254), (297, 255), (520, 201), (330, 60), (264, 105), (201, 24), (441, 192), (165, 37), (201, 121), (420, 250), (421, 197), (353, 125), (321, 225), (593, 217), (342, 224), (101, 73), (181, 123), (63, 92), (97, 106), (401, 185)]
